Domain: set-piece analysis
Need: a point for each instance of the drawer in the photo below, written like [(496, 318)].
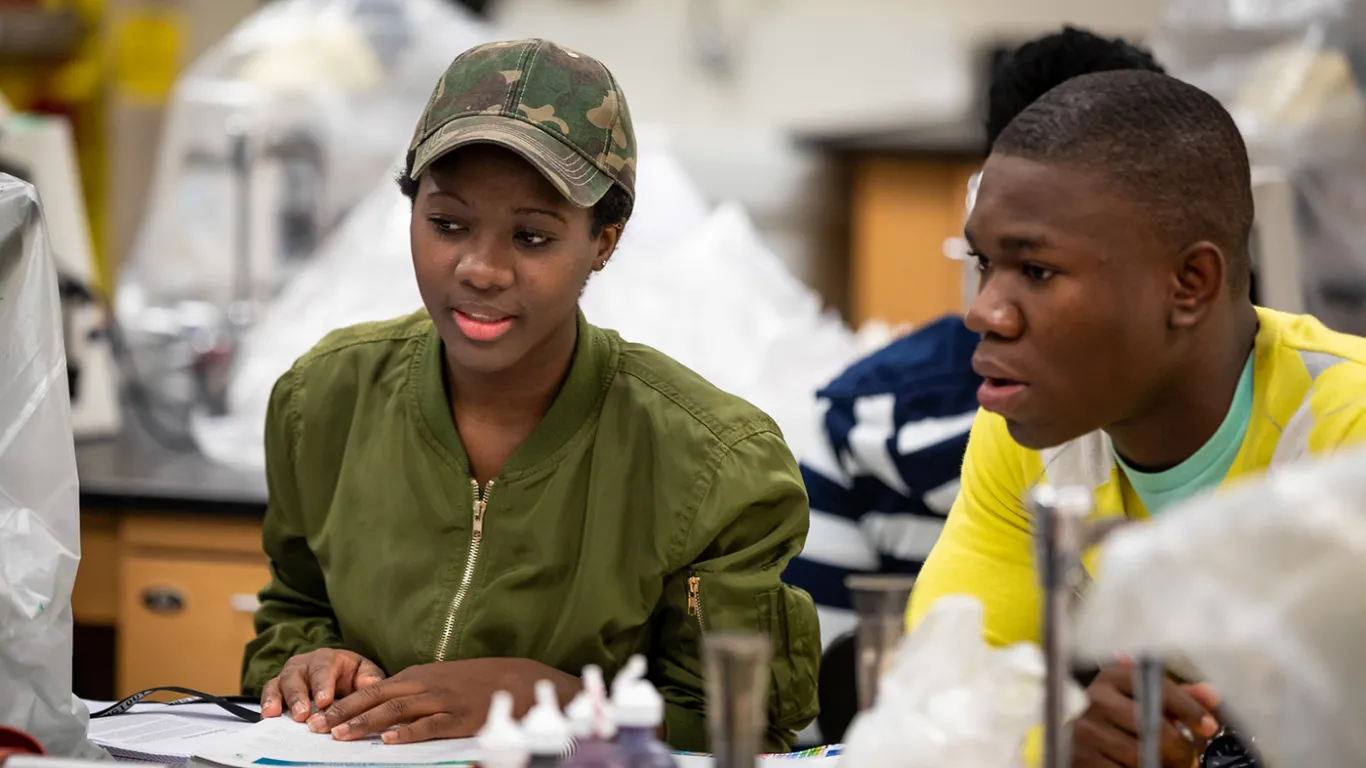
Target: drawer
[(184, 621)]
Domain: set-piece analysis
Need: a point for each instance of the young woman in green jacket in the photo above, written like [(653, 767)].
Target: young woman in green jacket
[(492, 491)]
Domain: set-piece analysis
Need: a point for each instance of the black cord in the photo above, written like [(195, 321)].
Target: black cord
[(230, 704)]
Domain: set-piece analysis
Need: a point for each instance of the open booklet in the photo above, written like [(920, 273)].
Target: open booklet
[(203, 734), (283, 742)]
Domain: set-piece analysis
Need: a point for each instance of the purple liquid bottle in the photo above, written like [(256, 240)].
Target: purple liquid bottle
[(639, 712), (591, 726)]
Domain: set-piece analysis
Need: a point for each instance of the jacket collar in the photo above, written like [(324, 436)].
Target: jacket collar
[(590, 372)]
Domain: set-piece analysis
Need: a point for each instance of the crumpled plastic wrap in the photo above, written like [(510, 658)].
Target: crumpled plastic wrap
[(1292, 72), (949, 699), (695, 284), (1257, 587), (325, 94), (40, 540)]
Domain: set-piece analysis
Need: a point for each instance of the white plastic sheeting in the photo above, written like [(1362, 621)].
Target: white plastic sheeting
[(1257, 587), (40, 539), (949, 699)]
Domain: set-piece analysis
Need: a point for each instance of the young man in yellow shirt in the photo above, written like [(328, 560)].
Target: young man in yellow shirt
[(1122, 352)]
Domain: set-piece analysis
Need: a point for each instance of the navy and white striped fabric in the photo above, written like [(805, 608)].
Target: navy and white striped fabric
[(886, 471)]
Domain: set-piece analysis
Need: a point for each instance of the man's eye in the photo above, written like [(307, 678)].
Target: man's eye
[(1037, 273)]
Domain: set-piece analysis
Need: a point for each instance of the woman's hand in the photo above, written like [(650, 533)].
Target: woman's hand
[(317, 678), (1106, 734), (449, 700)]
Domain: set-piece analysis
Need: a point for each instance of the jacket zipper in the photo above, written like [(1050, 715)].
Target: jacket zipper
[(481, 505), (695, 602)]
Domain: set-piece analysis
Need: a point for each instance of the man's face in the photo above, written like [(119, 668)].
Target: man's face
[(1073, 302)]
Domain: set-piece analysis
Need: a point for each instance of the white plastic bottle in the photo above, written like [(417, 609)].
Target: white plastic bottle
[(639, 713), (593, 729), (501, 742), (546, 729)]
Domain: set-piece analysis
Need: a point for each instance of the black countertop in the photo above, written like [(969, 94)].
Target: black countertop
[(133, 470)]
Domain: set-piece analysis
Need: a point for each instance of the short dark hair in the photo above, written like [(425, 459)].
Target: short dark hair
[(613, 209), (1166, 144), (1041, 65)]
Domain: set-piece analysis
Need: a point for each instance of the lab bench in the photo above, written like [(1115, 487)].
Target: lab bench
[(171, 563)]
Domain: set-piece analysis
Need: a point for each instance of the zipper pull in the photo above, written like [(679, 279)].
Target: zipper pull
[(694, 596)]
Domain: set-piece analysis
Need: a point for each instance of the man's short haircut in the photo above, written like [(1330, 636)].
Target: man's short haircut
[(1160, 142), (1042, 64)]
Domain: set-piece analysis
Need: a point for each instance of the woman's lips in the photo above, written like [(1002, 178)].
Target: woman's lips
[(480, 326)]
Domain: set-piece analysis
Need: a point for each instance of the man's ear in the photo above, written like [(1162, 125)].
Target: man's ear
[(1201, 276)]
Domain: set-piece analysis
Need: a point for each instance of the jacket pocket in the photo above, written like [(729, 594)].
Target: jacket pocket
[(724, 602)]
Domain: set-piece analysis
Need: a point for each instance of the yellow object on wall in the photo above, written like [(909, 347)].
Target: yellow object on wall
[(147, 44), (74, 87)]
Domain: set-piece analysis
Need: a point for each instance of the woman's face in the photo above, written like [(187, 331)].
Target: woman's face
[(501, 258)]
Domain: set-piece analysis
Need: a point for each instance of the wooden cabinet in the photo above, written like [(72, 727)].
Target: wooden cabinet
[(902, 209), (185, 622), (180, 592)]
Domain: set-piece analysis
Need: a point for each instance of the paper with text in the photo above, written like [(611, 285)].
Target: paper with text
[(283, 742)]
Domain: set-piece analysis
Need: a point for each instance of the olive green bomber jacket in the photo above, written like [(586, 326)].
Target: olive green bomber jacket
[(647, 509)]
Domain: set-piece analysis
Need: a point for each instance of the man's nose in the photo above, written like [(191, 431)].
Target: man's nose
[(994, 312)]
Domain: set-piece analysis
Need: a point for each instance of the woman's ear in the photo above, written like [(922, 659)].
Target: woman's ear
[(608, 239)]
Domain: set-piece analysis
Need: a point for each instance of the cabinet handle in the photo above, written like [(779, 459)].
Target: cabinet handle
[(244, 603), (164, 600)]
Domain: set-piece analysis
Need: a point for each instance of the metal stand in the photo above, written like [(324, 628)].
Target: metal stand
[(1062, 532), (881, 605), (736, 669)]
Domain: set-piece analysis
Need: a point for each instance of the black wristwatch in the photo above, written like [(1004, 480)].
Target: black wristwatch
[(1231, 749)]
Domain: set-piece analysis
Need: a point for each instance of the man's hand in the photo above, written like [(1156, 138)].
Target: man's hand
[(449, 700), (317, 678), (1105, 736)]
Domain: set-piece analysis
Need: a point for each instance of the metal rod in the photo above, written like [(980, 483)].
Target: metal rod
[(1149, 675), (1060, 531)]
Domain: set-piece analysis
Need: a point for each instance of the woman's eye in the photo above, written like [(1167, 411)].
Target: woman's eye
[(1037, 273), (981, 262), (532, 239), (445, 226)]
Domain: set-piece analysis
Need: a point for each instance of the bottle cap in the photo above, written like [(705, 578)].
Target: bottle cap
[(635, 701), (547, 730), (500, 740), (580, 713)]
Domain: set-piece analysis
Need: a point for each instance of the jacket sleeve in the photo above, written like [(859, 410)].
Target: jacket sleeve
[(295, 616), (751, 520), (986, 549)]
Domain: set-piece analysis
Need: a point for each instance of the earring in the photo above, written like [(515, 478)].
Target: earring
[(598, 267)]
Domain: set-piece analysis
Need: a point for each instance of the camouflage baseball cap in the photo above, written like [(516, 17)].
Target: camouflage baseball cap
[(560, 110)]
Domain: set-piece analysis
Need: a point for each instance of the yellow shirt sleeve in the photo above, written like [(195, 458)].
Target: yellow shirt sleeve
[(986, 548), (1339, 406)]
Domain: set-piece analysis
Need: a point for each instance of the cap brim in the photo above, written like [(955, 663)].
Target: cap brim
[(576, 178)]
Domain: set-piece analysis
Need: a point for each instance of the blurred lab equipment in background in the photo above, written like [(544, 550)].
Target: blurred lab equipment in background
[(39, 149), (271, 138), (694, 283), (1292, 75)]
